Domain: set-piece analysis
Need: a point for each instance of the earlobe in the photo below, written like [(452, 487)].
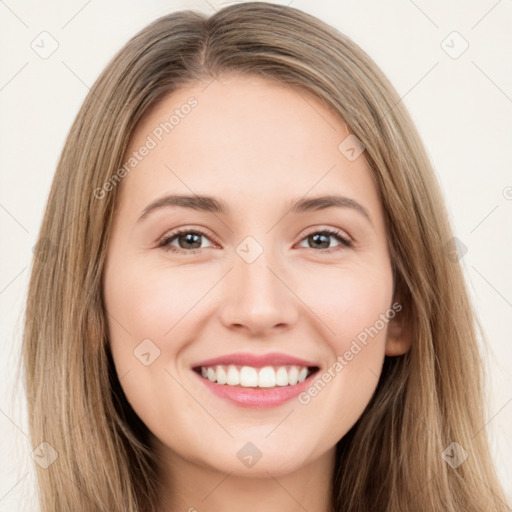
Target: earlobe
[(398, 338)]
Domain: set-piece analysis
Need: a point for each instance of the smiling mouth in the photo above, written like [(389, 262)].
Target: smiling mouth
[(267, 377)]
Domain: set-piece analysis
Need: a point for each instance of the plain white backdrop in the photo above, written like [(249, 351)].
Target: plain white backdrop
[(451, 64)]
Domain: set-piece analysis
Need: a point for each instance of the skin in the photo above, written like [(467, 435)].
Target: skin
[(258, 146)]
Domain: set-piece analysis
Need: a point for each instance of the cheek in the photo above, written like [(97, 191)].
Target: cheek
[(354, 307), (150, 311), (150, 302), (347, 300)]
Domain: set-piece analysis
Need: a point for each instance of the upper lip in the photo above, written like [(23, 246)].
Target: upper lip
[(256, 360)]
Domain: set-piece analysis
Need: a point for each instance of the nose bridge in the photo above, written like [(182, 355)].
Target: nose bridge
[(258, 298), (254, 272), (256, 281)]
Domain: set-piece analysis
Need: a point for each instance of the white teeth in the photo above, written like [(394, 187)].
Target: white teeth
[(267, 377), (293, 375), (233, 376), (249, 377), (282, 376), (221, 375)]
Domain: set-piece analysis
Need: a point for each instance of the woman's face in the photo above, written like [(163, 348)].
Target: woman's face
[(257, 277)]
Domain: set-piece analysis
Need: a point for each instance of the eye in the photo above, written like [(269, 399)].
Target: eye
[(189, 241), (321, 239)]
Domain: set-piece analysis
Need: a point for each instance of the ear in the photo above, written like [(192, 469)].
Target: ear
[(398, 337)]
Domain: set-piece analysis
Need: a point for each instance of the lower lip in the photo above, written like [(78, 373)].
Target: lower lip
[(256, 397)]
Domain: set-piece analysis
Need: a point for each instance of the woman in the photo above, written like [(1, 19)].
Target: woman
[(258, 369)]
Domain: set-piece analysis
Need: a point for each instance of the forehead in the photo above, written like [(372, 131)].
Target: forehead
[(243, 138)]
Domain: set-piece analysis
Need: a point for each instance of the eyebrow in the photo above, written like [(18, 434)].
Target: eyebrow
[(214, 205)]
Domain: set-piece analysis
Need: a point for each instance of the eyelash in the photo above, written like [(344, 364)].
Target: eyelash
[(165, 243)]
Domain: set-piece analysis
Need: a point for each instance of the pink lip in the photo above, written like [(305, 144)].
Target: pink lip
[(257, 398), (255, 360)]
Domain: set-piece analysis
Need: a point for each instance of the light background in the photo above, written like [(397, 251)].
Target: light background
[(462, 107)]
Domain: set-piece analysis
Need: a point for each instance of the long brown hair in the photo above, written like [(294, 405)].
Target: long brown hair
[(393, 458)]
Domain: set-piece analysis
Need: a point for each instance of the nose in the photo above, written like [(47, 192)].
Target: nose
[(258, 298)]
